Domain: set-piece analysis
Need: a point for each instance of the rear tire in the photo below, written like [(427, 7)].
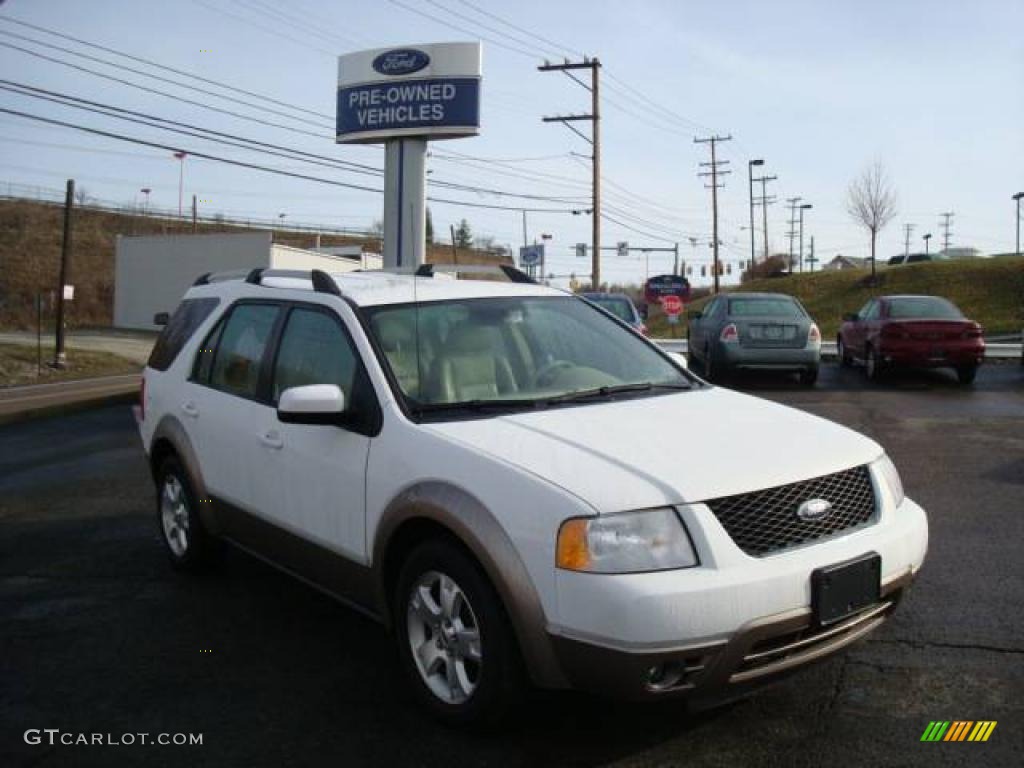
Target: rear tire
[(455, 641), (189, 545), (966, 374), (809, 376), (710, 371), (873, 366)]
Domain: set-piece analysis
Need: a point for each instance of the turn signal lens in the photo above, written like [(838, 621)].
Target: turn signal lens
[(730, 335), (573, 553)]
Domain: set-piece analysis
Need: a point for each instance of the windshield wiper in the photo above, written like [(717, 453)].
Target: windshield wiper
[(612, 390), (476, 405)]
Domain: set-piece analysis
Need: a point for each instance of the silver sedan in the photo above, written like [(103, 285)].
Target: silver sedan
[(766, 331)]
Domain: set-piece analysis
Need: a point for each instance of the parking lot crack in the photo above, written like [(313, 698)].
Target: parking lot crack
[(953, 646)]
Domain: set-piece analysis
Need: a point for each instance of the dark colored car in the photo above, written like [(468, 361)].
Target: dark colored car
[(766, 331), (620, 305), (920, 331)]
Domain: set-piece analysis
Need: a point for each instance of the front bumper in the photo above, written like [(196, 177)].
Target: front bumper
[(768, 358), (734, 622)]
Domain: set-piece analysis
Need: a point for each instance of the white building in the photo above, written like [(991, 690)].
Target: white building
[(151, 272)]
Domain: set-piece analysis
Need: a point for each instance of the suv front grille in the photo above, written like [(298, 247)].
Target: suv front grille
[(766, 521)]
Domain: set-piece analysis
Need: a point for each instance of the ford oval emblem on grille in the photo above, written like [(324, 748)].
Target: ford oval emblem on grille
[(814, 509), (401, 61)]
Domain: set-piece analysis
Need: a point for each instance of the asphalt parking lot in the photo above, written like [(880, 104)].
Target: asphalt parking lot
[(98, 635)]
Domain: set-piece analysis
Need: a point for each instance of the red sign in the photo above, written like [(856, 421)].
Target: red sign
[(672, 305)]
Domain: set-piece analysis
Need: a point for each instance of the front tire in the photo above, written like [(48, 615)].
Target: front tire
[(189, 545), (873, 365), (454, 639), (845, 360)]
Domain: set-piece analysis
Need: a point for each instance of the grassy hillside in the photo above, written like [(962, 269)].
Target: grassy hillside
[(990, 291), (30, 245)]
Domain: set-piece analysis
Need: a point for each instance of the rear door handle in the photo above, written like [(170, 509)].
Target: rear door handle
[(272, 439), (189, 409)]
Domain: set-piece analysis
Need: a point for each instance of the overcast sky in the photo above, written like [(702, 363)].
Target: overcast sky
[(934, 90)]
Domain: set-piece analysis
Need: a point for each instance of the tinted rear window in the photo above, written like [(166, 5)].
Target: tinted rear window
[(189, 315), (931, 307), (764, 307), (621, 308)]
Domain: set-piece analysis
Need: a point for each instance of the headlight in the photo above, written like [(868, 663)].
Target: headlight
[(887, 472), (651, 540)]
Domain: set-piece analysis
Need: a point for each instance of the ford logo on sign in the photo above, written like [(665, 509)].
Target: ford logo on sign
[(402, 61), (815, 509)]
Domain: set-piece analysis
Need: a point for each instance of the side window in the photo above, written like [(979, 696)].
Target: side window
[(314, 349), (872, 310), (203, 363), (709, 310), (189, 315), (240, 347)]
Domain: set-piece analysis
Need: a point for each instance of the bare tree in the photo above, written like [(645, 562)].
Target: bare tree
[(871, 202)]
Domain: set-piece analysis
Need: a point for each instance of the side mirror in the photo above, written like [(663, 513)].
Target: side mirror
[(852, 317), (695, 315), (311, 404), (161, 318), (680, 359)]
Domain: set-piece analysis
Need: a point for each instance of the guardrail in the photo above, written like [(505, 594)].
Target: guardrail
[(994, 350)]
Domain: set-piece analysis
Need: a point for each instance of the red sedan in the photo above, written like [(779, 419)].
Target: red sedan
[(920, 331)]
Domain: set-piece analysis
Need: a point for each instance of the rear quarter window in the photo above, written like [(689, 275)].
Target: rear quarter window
[(189, 315)]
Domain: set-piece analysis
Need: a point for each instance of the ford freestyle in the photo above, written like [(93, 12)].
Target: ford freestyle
[(494, 470)]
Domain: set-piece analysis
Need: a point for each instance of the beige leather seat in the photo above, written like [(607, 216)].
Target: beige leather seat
[(396, 338), (471, 365)]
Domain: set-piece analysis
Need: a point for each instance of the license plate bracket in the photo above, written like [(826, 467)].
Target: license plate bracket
[(841, 590)]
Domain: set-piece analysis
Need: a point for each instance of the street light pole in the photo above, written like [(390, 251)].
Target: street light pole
[(1017, 197), (750, 183), (926, 238), (803, 208), (181, 179)]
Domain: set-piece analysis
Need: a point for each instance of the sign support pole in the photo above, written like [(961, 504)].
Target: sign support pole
[(405, 203)]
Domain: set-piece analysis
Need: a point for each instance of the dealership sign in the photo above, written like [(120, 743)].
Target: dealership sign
[(426, 91), (666, 285)]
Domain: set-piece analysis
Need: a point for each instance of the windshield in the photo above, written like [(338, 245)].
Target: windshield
[(617, 305), (510, 353), (780, 307), (930, 307)]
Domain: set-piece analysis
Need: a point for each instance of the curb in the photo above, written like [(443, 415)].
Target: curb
[(66, 409)]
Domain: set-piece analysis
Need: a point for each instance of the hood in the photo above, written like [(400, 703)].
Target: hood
[(666, 449)]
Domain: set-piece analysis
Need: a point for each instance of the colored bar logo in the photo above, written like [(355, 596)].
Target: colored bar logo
[(958, 730)]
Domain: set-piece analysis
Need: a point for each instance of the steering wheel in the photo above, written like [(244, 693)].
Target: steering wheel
[(541, 379)]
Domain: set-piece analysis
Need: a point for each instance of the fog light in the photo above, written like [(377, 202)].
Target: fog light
[(661, 677)]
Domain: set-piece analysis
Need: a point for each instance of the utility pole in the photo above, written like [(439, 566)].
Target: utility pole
[(59, 357), (793, 202), (812, 259), (675, 258), (926, 238), (714, 173), (195, 214), (946, 221), (804, 207), (750, 181), (765, 201), (594, 65), (908, 230), (1017, 198), (455, 252)]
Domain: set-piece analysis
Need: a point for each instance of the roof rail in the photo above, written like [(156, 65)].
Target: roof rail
[(514, 275), (322, 281)]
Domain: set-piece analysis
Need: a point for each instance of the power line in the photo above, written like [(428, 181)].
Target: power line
[(257, 167), (151, 63)]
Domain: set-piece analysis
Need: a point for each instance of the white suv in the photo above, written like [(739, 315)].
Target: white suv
[(519, 485)]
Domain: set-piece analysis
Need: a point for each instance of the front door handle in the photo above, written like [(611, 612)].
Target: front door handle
[(189, 409), (272, 439)]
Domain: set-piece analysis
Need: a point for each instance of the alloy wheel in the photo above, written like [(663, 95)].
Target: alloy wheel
[(174, 515), (444, 637)]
